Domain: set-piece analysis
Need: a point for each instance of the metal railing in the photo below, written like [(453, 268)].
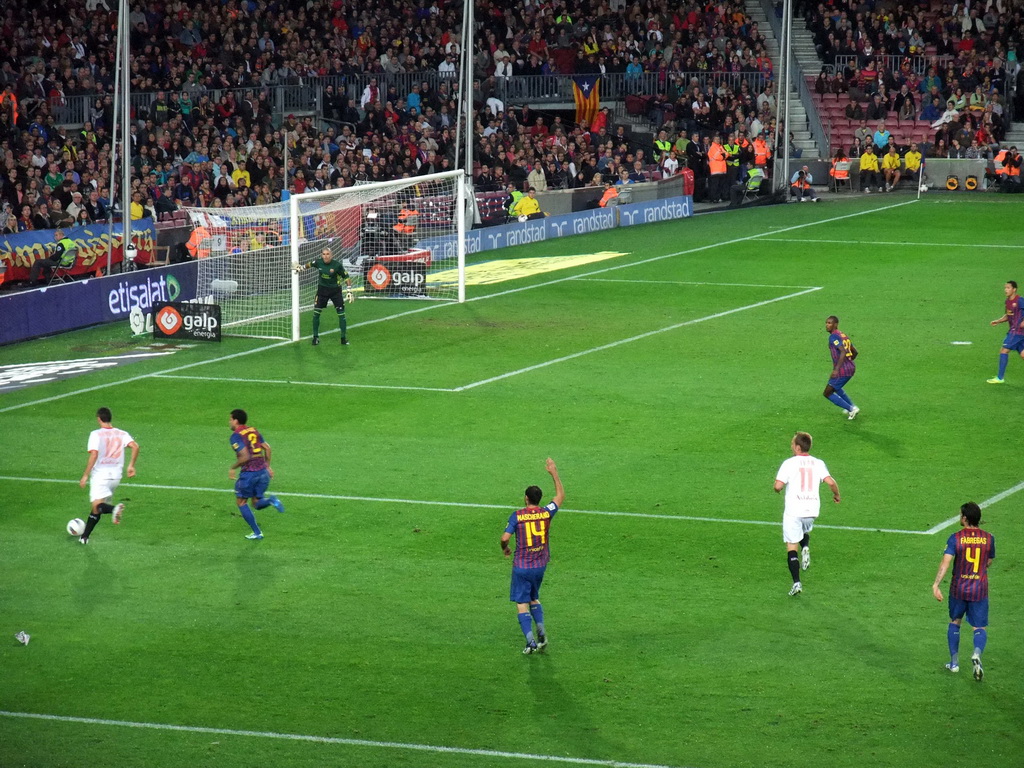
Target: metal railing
[(918, 64), (309, 97)]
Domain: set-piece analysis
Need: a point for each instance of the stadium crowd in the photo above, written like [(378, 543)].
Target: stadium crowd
[(964, 97), (208, 136)]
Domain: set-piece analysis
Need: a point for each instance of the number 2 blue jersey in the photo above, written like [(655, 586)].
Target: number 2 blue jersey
[(250, 437), (839, 346), (971, 549), (530, 526)]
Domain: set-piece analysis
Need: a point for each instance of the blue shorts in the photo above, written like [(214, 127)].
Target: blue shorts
[(976, 610), (840, 382), (1014, 342), (252, 485), (526, 584)]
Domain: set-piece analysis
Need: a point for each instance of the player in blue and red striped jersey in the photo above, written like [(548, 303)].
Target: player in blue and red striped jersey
[(531, 526), (1014, 341), (253, 456), (843, 354), (970, 550)]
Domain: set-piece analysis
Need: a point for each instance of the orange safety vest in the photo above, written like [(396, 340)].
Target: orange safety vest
[(407, 218), (716, 159), (798, 185), (1001, 170), (609, 194), (761, 152), (14, 105), (837, 174), (197, 244), (1012, 170)]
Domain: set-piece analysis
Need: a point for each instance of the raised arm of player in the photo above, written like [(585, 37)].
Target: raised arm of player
[(835, 488), (559, 489), (943, 567), (131, 462)]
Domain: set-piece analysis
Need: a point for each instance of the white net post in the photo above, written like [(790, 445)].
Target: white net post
[(293, 249), (460, 244)]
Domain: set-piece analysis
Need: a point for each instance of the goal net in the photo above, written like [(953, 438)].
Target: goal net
[(398, 239)]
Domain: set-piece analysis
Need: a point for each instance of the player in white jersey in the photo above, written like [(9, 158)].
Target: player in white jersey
[(801, 475), (104, 468)]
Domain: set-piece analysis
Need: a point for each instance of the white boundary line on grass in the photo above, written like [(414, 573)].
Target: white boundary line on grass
[(630, 340), (471, 505), (332, 740), (509, 374), (303, 383), (429, 307), (987, 503), (886, 242), (683, 282)]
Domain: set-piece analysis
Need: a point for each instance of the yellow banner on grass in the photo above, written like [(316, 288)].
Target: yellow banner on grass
[(512, 269)]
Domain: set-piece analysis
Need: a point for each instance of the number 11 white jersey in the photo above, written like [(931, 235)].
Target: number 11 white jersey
[(803, 476)]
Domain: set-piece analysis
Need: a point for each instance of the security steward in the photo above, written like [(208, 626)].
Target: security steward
[(405, 228), (63, 255), (328, 288)]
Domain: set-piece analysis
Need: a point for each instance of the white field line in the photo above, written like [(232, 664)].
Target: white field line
[(987, 503), (112, 358), (887, 242), (509, 374), (331, 740), (460, 504), (683, 282), (302, 383), (631, 339), (430, 307)]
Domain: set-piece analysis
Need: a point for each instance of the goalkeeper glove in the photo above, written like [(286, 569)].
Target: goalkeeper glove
[(349, 296), (298, 267)]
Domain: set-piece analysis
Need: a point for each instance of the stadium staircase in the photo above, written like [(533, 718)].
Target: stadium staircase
[(798, 124)]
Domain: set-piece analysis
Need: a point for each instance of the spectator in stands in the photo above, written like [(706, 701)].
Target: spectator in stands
[(932, 111), (854, 111), (877, 110), (869, 169), (881, 137), (904, 105)]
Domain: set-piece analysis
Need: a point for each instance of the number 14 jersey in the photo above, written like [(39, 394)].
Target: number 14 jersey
[(530, 526)]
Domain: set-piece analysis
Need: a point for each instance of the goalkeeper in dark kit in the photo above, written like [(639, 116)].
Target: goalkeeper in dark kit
[(328, 289)]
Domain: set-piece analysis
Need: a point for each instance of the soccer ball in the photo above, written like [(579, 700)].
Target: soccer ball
[(523, 218), (76, 527), (924, 187)]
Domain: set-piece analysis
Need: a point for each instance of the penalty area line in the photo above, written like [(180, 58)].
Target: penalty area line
[(336, 740), (460, 504), (301, 383)]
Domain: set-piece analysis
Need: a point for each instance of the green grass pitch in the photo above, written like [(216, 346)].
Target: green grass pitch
[(373, 623)]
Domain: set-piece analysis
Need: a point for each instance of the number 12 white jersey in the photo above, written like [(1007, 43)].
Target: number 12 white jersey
[(803, 476), (109, 443)]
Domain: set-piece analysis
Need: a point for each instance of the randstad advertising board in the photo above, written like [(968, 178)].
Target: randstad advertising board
[(83, 303)]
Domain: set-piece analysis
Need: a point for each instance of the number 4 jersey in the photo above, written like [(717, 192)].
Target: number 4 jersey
[(971, 549), (530, 526)]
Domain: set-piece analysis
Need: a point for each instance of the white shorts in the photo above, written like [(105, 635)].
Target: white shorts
[(794, 528), (103, 483)]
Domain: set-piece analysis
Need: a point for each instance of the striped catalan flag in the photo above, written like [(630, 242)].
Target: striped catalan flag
[(586, 91)]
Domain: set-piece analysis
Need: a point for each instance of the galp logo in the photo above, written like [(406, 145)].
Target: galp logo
[(379, 277), (168, 320)]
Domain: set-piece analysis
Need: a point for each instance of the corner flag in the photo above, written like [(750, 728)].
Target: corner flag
[(586, 92)]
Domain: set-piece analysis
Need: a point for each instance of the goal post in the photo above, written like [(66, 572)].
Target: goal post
[(404, 238), (400, 239)]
